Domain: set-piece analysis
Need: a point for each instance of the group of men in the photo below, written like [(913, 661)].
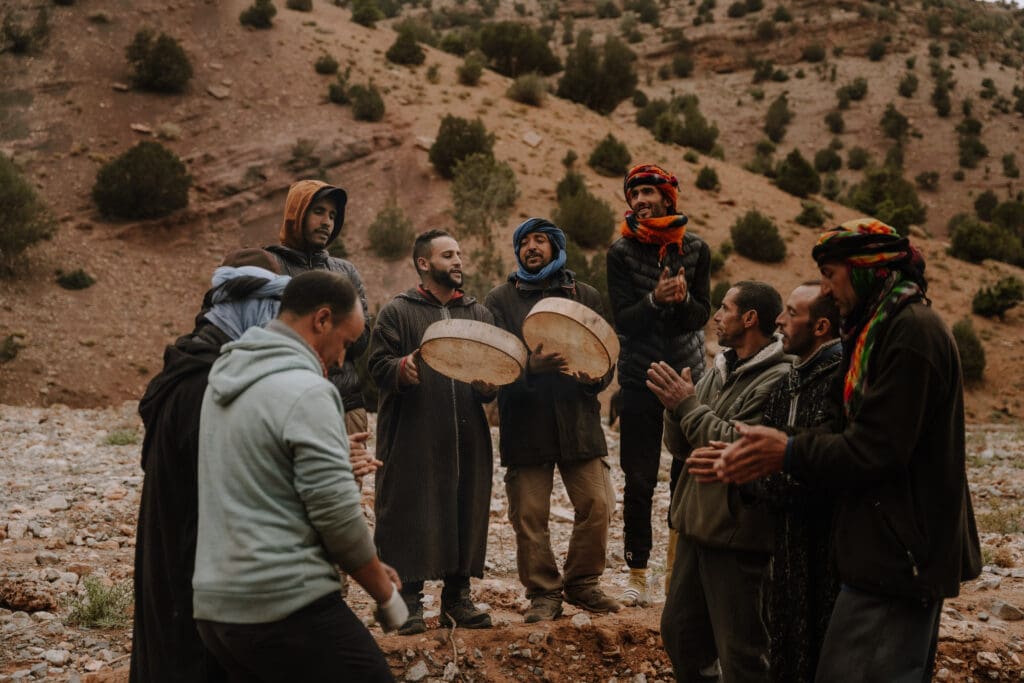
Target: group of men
[(819, 507)]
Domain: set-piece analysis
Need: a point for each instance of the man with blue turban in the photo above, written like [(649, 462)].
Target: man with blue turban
[(550, 418)]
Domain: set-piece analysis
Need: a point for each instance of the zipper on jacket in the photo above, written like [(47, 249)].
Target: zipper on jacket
[(914, 572)]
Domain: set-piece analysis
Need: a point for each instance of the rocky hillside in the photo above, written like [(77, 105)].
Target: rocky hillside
[(255, 116)]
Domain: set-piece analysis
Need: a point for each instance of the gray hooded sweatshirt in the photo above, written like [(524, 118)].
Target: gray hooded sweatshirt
[(278, 504)]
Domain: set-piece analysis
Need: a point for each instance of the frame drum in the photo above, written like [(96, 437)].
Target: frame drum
[(470, 351), (579, 333)]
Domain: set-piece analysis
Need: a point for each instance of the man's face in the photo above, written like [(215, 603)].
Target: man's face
[(318, 223), (341, 334), (729, 321), (795, 322), (535, 251), (835, 283), (646, 201), (445, 263)]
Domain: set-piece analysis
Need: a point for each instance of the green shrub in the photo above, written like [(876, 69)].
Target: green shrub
[(755, 236), (1010, 215), (813, 215), (299, 5), (607, 9), (610, 157), (778, 117), (815, 52), (598, 78), (888, 196), (326, 65), (852, 92), (76, 279), (940, 100), (405, 49), (857, 158), (707, 179), (471, 69), (513, 49), (835, 123), (974, 241), (25, 218), (796, 176), (22, 39), (483, 192), (682, 65), (971, 150), (337, 91), (367, 104), (1010, 169), (122, 437), (260, 14), (737, 10), (876, 50), (147, 181), (457, 138), (366, 13), (571, 183), (459, 42), (765, 31), (159, 63), (927, 180), (894, 124), (827, 160), (986, 204), (782, 14), (391, 232), (645, 10), (997, 299), (528, 89), (972, 353), (908, 85), (101, 606), (718, 293), (586, 219)]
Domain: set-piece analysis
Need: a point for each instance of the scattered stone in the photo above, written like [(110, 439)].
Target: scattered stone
[(55, 503), (417, 672), (563, 515), (639, 678), (450, 671), (581, 620), (168, 131), (952, 614), (17, 529), (990, 583), (532, 138), (943, 674), (1006, 611), (219, 92), (989, 660), (80, 568), (58, 657), (39, 670), (120, 87), (93, 665), (26, 594), (141, 128), (424, 143), (982, 616), (43, 616), (47, 559), (537, 637)]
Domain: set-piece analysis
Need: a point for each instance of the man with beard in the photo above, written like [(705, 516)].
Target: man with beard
[(715, 601), (904, 533), (660, 290), (434, 487), (314, 213), (550, 418)]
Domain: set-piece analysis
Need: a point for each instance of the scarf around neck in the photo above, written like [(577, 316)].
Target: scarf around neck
[(662, 231)]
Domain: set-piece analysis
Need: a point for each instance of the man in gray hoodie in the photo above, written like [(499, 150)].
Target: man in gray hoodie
[(278, 504)]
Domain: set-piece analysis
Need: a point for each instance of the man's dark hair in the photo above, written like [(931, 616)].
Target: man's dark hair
[(318, 288), (823, 307), (421, 247), (761, 298)]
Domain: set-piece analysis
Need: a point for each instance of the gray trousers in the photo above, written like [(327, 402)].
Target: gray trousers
[(529, 506), (878, 638), (714, 609)]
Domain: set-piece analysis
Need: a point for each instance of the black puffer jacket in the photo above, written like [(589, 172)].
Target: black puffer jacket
[(344, 377), (673, 333)]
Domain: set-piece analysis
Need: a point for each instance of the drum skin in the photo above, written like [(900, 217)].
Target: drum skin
[(470, 351), (579, 333)]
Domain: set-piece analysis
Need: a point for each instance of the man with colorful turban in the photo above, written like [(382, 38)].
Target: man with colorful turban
[(550, 418), (904, 533), (660, 289)]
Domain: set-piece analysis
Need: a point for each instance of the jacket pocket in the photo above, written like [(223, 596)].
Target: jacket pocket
[(904, 546)]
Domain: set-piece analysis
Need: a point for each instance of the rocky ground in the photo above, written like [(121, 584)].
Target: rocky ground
[(68, 501)]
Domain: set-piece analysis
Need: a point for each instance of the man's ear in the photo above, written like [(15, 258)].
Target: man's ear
[(320, 319), (750, 318), (422, 264), (822, 328)]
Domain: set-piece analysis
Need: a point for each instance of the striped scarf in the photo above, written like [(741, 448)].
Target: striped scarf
[(662, 231)]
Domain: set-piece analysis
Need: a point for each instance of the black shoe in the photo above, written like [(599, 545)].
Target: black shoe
[(465, 615), (414, 624)]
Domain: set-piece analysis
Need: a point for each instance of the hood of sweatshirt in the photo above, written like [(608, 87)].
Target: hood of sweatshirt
[(300, 196), (257, 354)]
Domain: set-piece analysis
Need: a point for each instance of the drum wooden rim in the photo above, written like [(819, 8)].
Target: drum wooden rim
[(595, 348), (472, 350)]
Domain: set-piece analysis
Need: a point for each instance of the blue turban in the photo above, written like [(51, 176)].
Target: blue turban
[(555, 236), (244, 297)]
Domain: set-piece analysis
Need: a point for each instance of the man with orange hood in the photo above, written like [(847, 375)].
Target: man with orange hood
[(313, 215), (660, 289)]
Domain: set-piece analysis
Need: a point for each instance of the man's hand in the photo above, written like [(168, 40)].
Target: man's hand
[(671, 289), (759, 452), (485, 388), (540, 362), (670, 387), (362, 462), (409, 372), (584, 378), (701, 463)]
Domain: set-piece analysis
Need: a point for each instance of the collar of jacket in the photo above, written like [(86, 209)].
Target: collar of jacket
[(310, 260), (769, 355), (562, 280), (421, 296)]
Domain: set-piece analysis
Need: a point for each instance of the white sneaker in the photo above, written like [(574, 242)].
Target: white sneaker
[(636, 593)]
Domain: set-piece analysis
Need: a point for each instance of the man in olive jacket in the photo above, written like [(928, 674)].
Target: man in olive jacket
[(714, 606), (904, 534), (551, 418)]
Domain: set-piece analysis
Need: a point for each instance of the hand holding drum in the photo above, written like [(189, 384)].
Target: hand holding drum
[(578, 335)]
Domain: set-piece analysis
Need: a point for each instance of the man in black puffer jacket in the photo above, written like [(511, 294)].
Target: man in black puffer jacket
[(313, 215), (659, 285)]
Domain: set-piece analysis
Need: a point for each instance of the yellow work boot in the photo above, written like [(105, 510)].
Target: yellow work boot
[(636, 594)]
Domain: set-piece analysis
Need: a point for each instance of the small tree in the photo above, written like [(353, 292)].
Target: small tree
[(986, 204), (147, 181), (586, 219), (718, 293), (457, 138), (367, 104), (857, 158), (813, 215), (159, 63), (598, 78), (755, 236), (996, 300), (300, 5), (483, 192), (610, 157), (25, 218), (514, 48), (707, 179), (471, 69), (972, 353), (528, 89), (391, 232), (260, 14), (815, 52), (827, 160), (405, 49), (894, 124), (366, 13), (908, 85), (796, 176), (778, 117), (974, 241), (876, 50), (835, 123), (326, 65)]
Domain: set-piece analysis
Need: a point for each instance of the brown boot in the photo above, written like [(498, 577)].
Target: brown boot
[(592, 599)]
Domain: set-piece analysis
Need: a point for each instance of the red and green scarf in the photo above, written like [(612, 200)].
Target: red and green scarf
[(663, 231)]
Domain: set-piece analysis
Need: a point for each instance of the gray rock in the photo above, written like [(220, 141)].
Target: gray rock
[(989, 660), (219, 92), (58, 657), (39, 670), (451, 670), (581, 620), (417, 672), (55, 503), (982, 616), (991, 583), (1006, 611), (17, 529), (639, 678), (537, 637), (943, 674)]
